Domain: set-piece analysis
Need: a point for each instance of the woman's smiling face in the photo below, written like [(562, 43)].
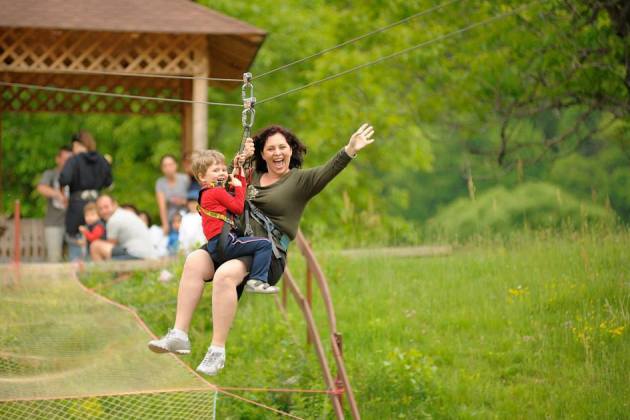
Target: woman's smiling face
[(277, 154)]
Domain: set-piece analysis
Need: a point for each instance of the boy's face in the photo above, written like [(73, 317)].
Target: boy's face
[(216, 172), (91, 217), (176, 223), (192, 206)]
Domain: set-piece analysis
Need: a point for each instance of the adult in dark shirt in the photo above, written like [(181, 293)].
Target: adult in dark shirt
[(86, 173)]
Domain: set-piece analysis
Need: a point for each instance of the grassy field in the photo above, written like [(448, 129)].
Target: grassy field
[(531, 327)]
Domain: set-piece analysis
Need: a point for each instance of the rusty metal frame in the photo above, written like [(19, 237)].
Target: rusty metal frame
[(341, 382)]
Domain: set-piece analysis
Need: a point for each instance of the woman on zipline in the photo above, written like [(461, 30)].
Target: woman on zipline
[(276, 198)]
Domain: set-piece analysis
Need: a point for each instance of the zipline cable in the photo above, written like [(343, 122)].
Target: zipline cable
[(115, 95), (360, 37), (149, 75), (401, 52)]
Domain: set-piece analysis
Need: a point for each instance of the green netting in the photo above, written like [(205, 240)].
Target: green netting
[(67, 353)]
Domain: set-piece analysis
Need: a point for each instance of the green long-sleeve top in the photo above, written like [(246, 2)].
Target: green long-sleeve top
[(284, 201)]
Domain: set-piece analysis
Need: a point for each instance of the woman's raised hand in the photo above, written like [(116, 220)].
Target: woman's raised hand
[(361, 138)]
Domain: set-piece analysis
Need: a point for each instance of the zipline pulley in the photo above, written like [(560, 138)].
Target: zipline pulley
[(249, 113)]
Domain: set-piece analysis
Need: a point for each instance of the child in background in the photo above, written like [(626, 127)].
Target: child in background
[(94, 228), (173, 235)]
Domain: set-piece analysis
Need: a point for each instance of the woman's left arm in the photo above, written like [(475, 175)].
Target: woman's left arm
[(314, 180)]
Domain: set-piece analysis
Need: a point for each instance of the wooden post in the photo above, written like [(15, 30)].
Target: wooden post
[(17, 247), (186, 118), (200, 113), (1, 159)]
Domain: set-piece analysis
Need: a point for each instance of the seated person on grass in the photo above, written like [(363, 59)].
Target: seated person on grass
[(128, 238)]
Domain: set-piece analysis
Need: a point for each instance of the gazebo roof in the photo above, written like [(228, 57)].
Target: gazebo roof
[(159, 16), (232, 44)]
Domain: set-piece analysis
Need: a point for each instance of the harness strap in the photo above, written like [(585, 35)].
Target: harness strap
[(278, 239), (216, 215), (227, 227)]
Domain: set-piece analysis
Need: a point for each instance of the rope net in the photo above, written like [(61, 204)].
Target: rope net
[(68, 353)]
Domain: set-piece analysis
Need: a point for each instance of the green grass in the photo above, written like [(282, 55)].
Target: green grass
[(536, 326)]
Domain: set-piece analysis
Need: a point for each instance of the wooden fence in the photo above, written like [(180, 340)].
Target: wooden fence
[(32, 242)]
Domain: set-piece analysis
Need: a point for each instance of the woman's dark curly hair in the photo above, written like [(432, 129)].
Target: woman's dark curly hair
[(298, 148)]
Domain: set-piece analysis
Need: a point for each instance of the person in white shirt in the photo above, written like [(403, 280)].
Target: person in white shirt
[(191, 234), (127, 236)]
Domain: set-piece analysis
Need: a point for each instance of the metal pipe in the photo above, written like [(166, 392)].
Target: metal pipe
[(309, 297), (319, 276), (317, 343)]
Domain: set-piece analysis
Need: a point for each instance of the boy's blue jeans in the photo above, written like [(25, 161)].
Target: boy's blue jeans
[(256, 247)]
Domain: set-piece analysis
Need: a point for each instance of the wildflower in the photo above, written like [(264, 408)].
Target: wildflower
[(519, 291), (617, 331)]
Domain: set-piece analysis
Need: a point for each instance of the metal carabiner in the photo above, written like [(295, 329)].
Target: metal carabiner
[(247, 117), (249, 102), (247, 83)]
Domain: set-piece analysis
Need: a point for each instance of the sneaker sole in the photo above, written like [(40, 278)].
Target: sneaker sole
[(208, 373), (261, 292), (158, 349)]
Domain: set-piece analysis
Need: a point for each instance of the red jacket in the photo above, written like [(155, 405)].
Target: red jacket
[(218, 200), (94, 232)]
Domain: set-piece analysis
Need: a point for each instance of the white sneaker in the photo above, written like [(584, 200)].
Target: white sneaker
[(212, 363), (171, 342), (258, 286)]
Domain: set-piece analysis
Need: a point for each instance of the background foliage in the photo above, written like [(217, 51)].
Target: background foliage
[(539, 97)]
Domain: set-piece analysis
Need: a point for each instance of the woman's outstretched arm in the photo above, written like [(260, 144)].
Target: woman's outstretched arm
[(314, 180)]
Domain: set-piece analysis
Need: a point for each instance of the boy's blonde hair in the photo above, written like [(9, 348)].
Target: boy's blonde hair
[(91, 206), (202, 160)]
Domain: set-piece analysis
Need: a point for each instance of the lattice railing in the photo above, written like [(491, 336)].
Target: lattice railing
[(36, 50), (18, 99), (64, 59)]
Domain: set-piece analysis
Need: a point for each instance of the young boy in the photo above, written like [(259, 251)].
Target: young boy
[(94, 228), (216, 207)]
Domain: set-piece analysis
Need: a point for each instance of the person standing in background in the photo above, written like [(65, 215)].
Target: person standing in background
[(170, 191), (56, 203), (86, 173)]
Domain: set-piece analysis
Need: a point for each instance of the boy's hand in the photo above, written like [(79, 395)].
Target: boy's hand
[(235, 182), (83, 229), (239, 160)]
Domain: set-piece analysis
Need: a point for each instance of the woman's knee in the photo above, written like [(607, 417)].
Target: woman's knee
[(198, 264), (231, 273)]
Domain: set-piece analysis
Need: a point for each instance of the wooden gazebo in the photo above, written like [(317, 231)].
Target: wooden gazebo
[(97, 45)]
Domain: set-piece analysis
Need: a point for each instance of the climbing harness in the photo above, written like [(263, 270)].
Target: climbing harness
[(279, 240)]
